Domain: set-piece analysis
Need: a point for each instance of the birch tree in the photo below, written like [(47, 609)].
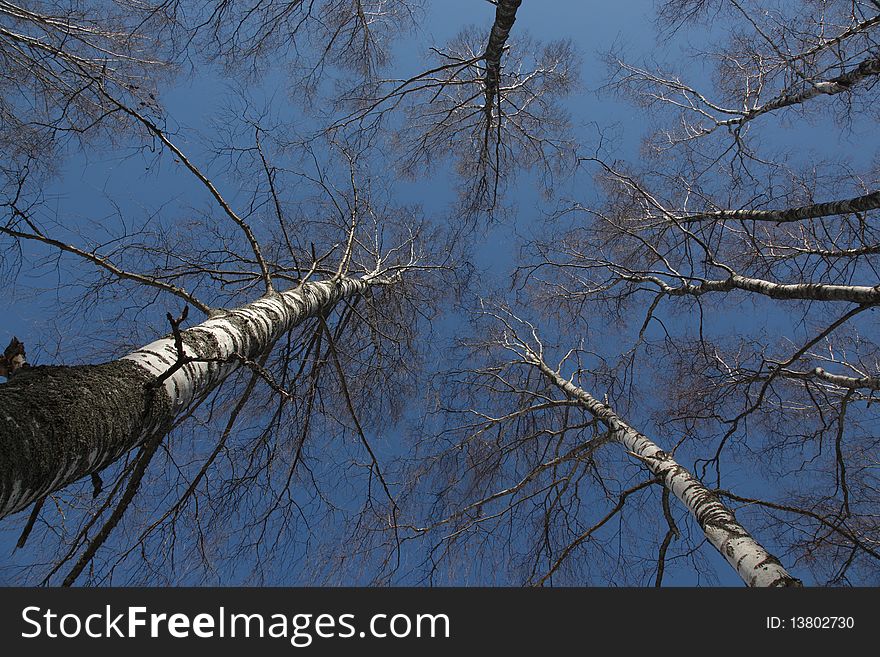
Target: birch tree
[(316, 315), (63, 423), (526, 446), (56, 59), (489, 101), (712, 228), (293, 310)]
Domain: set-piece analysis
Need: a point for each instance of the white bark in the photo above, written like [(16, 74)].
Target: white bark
[(756, 566), (246, 332), (790, 291), (862, 203), (840, 380), (58, 424)]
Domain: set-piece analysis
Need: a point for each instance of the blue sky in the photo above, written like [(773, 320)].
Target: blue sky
[(123, 185)]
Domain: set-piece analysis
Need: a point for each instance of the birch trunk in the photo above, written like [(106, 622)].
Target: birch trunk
[(815, 211), (862, 294), (752, 562), (58, 424), (505, 16)]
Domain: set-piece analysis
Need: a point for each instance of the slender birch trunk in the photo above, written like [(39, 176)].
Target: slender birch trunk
[(862, 203), (752, 562), (862, 294), (58, 424), (505, 16)]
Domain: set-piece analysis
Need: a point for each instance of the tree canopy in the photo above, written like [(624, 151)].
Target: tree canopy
[(384, 291)]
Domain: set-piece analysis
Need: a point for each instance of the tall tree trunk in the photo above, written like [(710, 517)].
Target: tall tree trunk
[(58, 424), (862, 203), (752, 562), (862, 294), (505, 15)]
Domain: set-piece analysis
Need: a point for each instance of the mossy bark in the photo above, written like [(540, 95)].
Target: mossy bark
[(58, 424)]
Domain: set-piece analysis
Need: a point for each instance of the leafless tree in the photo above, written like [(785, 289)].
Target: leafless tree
[(744, 285), (309, 313), (57, 62), (491, 105), (312, 37), (528, 468)]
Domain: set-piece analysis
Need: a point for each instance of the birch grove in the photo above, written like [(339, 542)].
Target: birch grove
[(263, 328), (712, 227)]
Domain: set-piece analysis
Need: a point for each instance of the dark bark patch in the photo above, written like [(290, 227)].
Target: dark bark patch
[(71, 420), (204, 343)]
